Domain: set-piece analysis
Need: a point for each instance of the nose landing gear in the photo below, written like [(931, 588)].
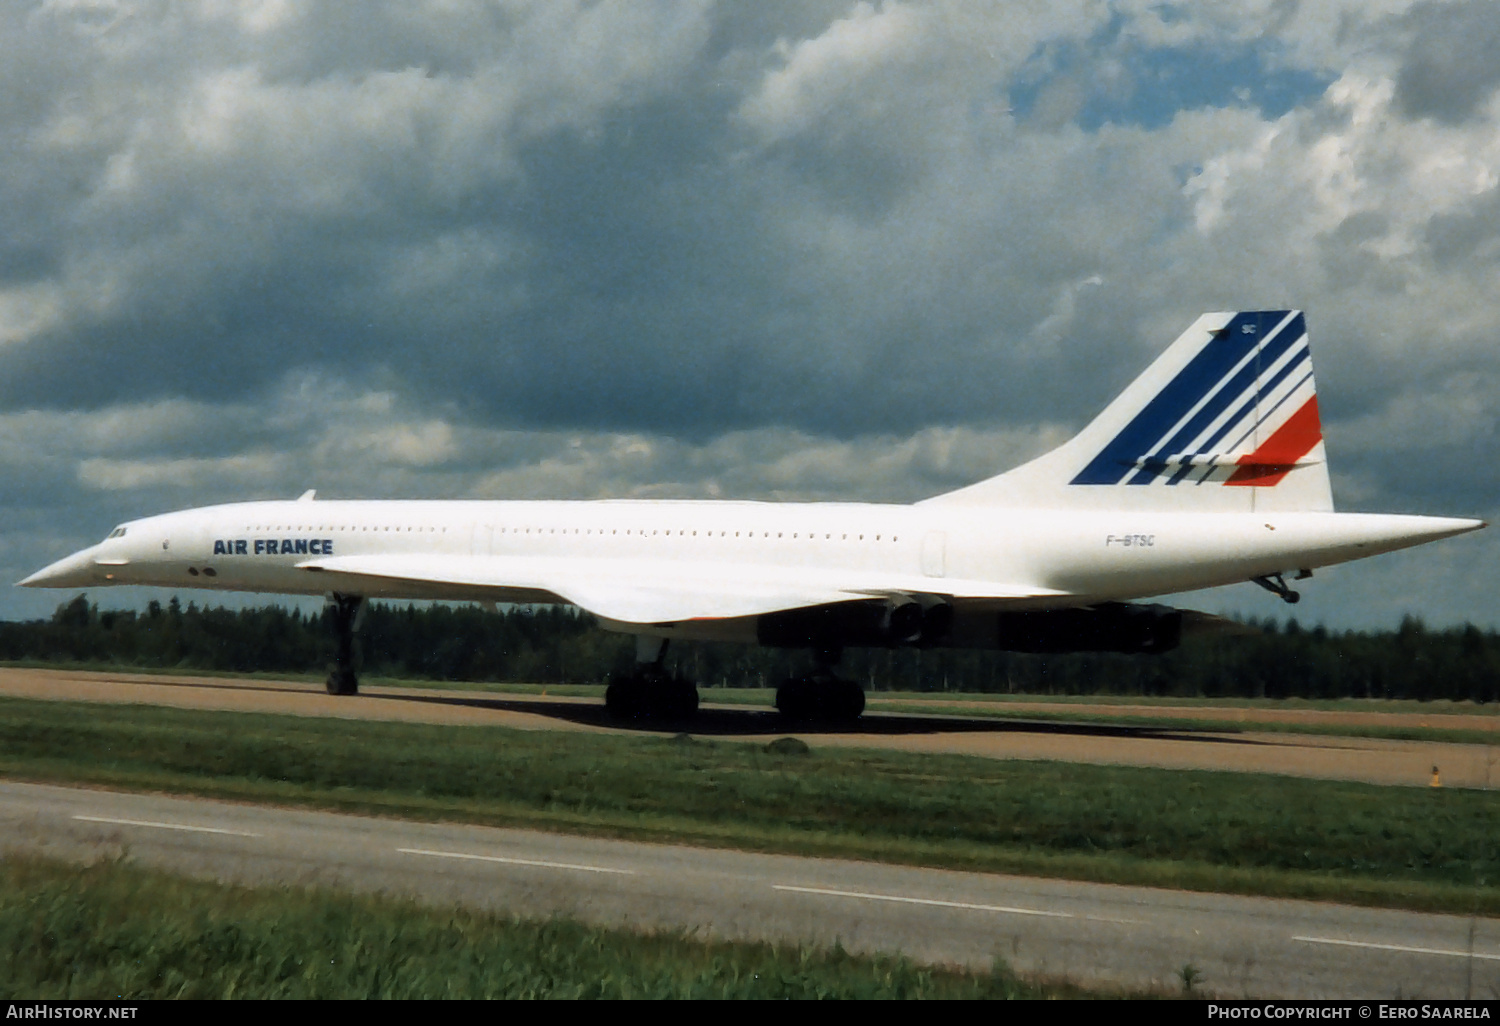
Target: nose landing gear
[(347, 612)]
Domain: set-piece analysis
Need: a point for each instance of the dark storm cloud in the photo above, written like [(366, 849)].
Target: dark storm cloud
[(616, 260), (1450, 67), (217, 226), (466, 205), (1467, 237)]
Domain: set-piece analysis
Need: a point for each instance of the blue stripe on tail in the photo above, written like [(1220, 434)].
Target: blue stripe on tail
[(1147, 429), (1249, 407), (1240, 387)]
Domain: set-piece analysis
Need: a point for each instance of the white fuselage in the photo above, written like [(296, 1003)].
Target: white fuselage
[(978, 558)]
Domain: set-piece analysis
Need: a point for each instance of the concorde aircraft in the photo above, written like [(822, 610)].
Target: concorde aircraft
[(1207, 470)]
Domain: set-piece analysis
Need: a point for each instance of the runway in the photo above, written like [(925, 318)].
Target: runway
[(1093, 934), (1372, 760)]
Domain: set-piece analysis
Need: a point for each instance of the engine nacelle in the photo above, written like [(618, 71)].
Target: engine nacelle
[(879, 624), (1111, 627), (903, 622)]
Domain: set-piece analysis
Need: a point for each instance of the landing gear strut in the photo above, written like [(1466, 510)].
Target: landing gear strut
[(649, 692), (821, 695), (347, 610), (1278, 587)]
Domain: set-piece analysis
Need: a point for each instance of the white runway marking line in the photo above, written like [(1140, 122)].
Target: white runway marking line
[(1397, 947), (928, 901), (515, 862), (166, 826)]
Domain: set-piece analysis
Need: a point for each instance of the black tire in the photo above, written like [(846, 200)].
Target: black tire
[(683, 701), (794, 700), (668, 699), (622, 700), (342, 682), (851, 701)]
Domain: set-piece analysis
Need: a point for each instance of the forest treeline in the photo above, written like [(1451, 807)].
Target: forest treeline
[(555, 645)]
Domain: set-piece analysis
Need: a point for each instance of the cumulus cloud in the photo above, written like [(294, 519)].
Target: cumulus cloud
[(1448, 70), (112, 475)]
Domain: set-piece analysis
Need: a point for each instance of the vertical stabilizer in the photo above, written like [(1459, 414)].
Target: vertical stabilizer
[(1225, 420)]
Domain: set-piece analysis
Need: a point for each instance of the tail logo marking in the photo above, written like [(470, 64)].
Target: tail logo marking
[(1239, 385)]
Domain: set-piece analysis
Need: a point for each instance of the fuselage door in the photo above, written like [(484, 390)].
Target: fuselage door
[(935, 554), (482, 539)]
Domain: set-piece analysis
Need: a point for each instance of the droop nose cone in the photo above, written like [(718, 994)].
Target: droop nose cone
[(75, 571)]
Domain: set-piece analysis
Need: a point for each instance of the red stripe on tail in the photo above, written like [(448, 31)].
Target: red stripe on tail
[(1266, 466)]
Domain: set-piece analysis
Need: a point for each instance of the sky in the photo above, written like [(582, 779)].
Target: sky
[(684, 249)]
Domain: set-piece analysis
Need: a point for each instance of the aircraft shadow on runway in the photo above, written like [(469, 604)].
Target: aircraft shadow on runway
[(759, 720), (722, 722)]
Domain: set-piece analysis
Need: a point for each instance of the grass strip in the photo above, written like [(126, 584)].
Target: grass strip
[(113, 930), (1145, 721), (1436, 707), (1436, 849)]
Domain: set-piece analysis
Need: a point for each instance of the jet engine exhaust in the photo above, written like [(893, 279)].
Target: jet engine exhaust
[(875, 624)]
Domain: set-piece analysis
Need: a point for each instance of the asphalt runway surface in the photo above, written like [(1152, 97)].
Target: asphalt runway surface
[(1094, 934), (1332, 757)]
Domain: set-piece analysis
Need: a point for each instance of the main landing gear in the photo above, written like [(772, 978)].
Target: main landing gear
[(649, 692), (820, 695), (348, 612)]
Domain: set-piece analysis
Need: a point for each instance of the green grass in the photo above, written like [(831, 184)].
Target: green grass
[(1145, 721), (1135, 712), (132, 670), (118, 931), (1383, 705), (1261, 834)]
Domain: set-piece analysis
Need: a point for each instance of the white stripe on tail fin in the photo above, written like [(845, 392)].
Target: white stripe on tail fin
[(1225, 420)]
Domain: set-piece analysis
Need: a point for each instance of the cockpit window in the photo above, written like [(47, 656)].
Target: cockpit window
[(118, 532)]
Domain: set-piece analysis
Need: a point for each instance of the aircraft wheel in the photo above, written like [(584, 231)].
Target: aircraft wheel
[(851, 701), (623, 699), (680, 699), (670, 698), (800, 699), (342, 682), (794, 699)]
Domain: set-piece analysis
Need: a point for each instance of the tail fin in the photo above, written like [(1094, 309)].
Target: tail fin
[(1225, 420)]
